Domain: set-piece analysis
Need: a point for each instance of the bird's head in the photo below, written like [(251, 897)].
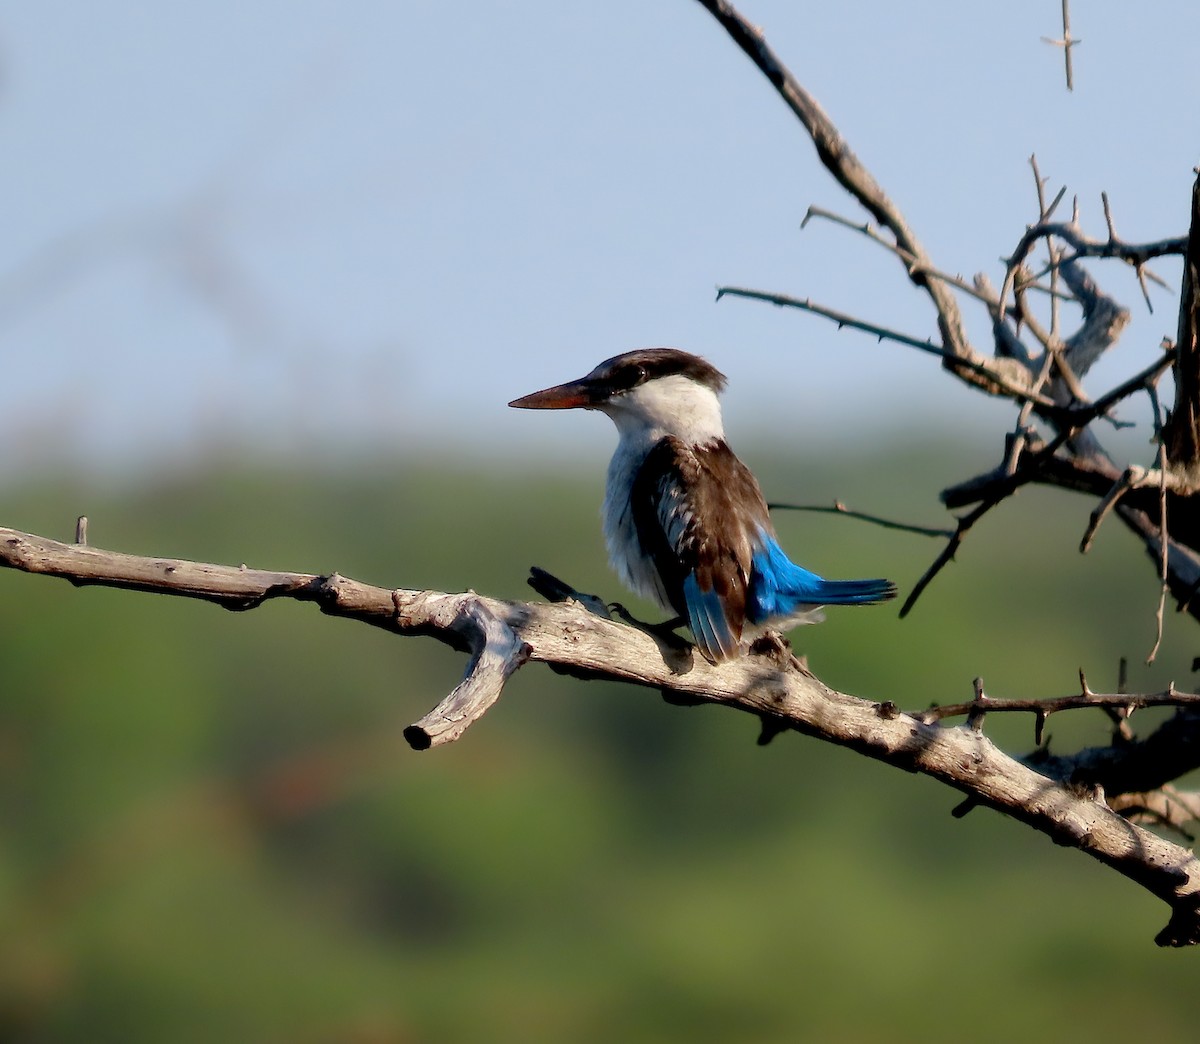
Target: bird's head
[(648, 392)]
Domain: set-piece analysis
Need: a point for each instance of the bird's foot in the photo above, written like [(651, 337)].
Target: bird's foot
[(553, 589), (775, 646)]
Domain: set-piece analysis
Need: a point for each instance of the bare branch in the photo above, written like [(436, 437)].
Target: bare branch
[(838, 508), (873, 234), (1103, 320), (850, 173), (1066, 43), (1009, 380), (771, 684), (1131, 478), (1125, 702), (947, 554), (1182, 429), (1095, 475), (1004, 482), (1167, 807), (1133, 254), (498, 652)]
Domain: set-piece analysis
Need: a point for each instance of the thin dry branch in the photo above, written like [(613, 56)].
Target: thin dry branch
[(1130, 766), (1094, 475), (1006, 481), (1082, 245), (1181, 433), (958, 355), (773, 686), (1124, 702), (1067, 43), (1001, 375), (838, 508), (851, 174), (1166, 807), (865, 228)]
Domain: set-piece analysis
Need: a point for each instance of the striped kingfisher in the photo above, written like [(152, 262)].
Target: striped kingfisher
[(685, 522)]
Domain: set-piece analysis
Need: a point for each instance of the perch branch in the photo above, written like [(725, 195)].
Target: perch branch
[(771, 685)]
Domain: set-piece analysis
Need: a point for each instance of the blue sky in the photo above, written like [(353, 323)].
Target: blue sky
[(310, 228)]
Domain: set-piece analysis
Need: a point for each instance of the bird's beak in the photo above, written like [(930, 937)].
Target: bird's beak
[(573, 395)]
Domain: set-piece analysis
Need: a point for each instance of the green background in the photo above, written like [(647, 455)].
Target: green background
[(212, 829)]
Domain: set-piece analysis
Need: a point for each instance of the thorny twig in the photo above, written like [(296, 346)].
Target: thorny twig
[(838, 508), (990, 371), (1066, 43), (1124, 703), (1047, 384)]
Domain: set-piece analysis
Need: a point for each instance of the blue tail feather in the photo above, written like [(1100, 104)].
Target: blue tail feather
[(779, 587)]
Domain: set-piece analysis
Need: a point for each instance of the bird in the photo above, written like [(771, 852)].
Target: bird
[(685, 522)]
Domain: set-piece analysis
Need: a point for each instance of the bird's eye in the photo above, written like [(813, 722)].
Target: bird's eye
[(629, 377)]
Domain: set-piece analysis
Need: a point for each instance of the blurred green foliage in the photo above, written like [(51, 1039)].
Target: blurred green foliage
[(211, 828)]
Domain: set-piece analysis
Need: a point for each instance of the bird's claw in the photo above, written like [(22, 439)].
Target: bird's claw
[(664, 632)]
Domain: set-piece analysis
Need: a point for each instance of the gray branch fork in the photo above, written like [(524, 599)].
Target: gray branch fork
[(770, 683)]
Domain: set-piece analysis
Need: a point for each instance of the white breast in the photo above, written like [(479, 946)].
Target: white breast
[(631, 564)]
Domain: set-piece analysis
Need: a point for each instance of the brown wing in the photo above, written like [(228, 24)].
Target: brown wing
[(699, 514)]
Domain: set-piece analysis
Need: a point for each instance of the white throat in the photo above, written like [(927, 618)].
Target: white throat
[(674, 405)]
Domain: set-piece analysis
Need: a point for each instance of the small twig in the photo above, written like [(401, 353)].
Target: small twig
[(1140, 266), (838, 508), (948, 552), (1103, 318), (1125, 702), (883, 333), (979, 706), (1152, 391), (1044, 214), (914, 265), (1119, 716), (1084, 246), (1130, 479), (999, 490), (1066, 43), (1078, 416), (1020, 434)]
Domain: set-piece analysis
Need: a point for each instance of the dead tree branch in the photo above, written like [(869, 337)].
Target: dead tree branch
[(1067, 42), (852, 175), (768, 683), (1044, 378), (1181, 433)]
